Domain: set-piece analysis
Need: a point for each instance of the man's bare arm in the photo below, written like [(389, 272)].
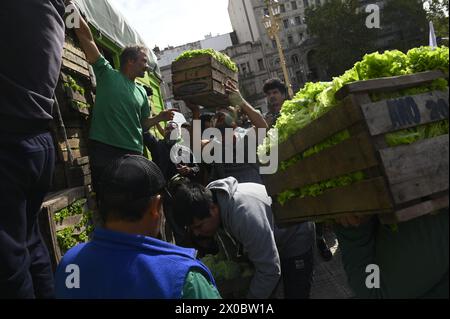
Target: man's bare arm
[(166, 115), (86, 39), (236, 99)]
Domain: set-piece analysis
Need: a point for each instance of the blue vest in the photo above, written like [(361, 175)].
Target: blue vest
[(121, 266)]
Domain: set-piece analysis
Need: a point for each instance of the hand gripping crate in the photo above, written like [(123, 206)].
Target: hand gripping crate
[(200, 80), (402, 182)]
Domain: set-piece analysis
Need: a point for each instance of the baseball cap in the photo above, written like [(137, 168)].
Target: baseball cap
[(129, 178)]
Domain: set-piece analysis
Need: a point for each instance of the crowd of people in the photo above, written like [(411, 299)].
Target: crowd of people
[(126, 258)]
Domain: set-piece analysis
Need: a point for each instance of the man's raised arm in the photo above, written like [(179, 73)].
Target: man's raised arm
[(86, 39)]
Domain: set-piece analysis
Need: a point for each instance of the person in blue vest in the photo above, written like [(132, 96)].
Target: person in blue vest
[(124, 260)]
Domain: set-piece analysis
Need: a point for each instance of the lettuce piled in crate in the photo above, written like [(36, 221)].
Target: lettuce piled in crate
[(232, 278), (199, 76), (335, 118)]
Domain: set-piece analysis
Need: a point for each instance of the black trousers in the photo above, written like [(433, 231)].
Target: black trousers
[(100, 156), (26, 170), (297, 275)]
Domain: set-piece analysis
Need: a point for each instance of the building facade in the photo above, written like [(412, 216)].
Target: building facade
[(298, 46), (253, 72)]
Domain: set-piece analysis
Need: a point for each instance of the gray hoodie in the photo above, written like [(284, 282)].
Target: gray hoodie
[(246, 215)]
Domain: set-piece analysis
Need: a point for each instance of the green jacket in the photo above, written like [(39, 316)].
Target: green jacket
[(413, 259)]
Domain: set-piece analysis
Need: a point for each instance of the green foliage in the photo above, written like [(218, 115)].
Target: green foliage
[(66, 239), (220, 57), (81, 105), (71, 236), (319, 188), (71, 83), (437, 12), (342, 37), (409, 19), (412, 135), (74, 209), (425, 58), (315, 99), (332, 141), (223, 269)]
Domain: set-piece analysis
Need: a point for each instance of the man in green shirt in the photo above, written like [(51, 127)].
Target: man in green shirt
[(121, 113)]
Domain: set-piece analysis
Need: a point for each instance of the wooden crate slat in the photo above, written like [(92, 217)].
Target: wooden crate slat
[(72, 66), (75, 59), (208, 99), (200, 61), (77, 51), (219, 87), (201, 80), (48, 231), (330, 217), (405, 112), (200, 73), (224, 70), (74, 143), (74, 95), (417, 170), (59, 200), (75, 154), (76, 133), (69, 222), (422, 208), (364, 196), (389, 84), (187, 64), (352, 155), (85, 169), (82, 160), (192, 87), (419, 187), (191, 74), (334, 121)]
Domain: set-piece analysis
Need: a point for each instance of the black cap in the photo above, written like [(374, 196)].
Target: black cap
[(131, 177)]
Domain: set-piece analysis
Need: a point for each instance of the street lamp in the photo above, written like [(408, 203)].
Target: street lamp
[(272, 24)]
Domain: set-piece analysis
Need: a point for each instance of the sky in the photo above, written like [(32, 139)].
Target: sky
[(175, 22)]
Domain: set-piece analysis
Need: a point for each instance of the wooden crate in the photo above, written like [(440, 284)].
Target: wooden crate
[(74, 59), (201, 80), (52, 204), (403, 182)]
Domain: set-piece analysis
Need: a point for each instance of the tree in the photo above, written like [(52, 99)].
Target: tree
[(339, 26), (408, 20), (340, 29), (437, 12)]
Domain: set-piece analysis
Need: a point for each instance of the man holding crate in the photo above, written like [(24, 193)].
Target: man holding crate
[(295, 243)]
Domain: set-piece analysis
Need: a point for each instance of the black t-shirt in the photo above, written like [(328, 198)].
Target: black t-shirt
[(161, 155), (32, 38)]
